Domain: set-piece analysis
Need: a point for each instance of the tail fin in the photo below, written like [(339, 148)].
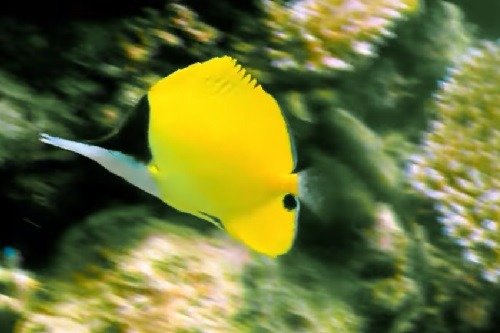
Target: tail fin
[(125, 166)]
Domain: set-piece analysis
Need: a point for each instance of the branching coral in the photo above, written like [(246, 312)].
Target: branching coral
[(459, 167), (332, 32)]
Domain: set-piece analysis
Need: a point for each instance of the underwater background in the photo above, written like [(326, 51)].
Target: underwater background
[(394, 106)]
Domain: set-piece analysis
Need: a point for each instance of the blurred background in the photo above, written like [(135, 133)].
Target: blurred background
[(394, 106)]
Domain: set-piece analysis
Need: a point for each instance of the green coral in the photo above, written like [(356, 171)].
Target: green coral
[(299, 294), (390, 93), (459, 167), (446, 287), (428, 291), (389, 289)]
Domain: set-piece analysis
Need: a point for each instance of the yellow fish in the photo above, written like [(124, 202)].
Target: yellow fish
[(220, 150)]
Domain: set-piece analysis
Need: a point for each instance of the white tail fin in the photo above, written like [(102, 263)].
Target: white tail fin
[(125, 166)]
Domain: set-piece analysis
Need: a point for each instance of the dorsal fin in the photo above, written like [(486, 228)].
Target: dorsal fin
[(221, 74)]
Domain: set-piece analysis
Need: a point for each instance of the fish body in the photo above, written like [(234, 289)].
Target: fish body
[(220, 150)]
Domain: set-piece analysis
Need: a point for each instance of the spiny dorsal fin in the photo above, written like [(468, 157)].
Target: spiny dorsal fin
[(220, 74)]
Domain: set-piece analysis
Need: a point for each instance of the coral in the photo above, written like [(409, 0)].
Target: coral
[(358, 172), (16, 288), (298, 294), (429, 290), (176, 26), (459, 167), (391, 91), (363, 150), (173, 279), (387, 235), (164, 283), (389, 287), (445, 286), (331, 33)]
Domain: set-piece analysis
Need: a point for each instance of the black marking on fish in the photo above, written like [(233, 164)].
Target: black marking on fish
[(131, 135), (293, 146), (214, 219), (289, 202)]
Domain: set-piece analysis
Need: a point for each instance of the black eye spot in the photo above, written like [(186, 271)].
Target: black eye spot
[(289, 202)]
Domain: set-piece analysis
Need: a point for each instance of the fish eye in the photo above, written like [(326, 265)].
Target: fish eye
[(289, 202)]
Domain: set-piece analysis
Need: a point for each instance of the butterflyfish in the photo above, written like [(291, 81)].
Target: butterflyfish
[(219, 148)]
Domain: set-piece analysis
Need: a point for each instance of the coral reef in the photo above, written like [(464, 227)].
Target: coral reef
[(459, 167), (164, 284), (297, 294), (354, 78), (390, 92), (331, 33), (16, 288), (173, 278), (177, 26)]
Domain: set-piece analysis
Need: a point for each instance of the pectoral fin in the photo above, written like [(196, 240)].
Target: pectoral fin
[(125, 166)]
